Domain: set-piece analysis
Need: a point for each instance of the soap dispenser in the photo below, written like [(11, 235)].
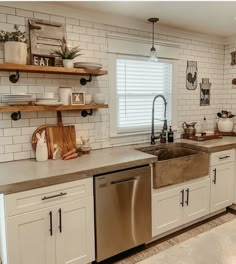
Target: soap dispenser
[(170, 135)]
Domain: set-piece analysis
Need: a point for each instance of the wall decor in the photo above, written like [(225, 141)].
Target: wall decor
[(191, 75), (233, 58), (42, 60), (45, 36), (77, 98), (205, 92)]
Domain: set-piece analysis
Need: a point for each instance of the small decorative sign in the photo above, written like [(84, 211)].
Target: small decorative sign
[(233, 58), (42, 60), (77, 98), (205, 92), (191, 75)]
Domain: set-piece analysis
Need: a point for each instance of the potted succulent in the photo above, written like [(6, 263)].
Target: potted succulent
[(67, 54), (15, 47)]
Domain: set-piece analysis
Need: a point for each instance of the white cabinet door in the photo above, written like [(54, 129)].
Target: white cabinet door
[(197, 197), (222, 186), (30, 240), (75, 238), (166, 210)]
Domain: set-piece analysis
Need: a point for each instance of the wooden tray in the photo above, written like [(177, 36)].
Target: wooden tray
[(230, 134), (202, 138)]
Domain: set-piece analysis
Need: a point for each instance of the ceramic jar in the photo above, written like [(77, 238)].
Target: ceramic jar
[(65, 95), (15, 52), (225, 124)]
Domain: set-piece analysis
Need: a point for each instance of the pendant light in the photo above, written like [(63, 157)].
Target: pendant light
[(153, 52)]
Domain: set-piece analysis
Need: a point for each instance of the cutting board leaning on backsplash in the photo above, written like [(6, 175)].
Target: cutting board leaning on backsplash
[(63, 136)]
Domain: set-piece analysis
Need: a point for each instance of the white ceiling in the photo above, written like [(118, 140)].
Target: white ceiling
[(215, 18)]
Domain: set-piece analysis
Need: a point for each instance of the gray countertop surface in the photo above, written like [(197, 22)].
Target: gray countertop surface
[(24, 175)]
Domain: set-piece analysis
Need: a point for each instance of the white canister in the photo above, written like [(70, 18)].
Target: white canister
[(225, 124), (15, 52), (65, 95)]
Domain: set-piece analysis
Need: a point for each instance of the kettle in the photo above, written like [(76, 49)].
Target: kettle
[(189, 129)]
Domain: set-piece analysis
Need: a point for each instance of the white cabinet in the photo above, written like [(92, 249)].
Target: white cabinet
[(75, 239), (175, 206), (197, 200), (29, 240), (61, 232), (166, 211), (222, 185)]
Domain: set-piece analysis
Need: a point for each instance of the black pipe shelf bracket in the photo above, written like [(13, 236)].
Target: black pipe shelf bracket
[(84, 81), (16, 116), (85, 113), (14, 78)]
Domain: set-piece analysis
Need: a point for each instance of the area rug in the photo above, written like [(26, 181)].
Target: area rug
[(162, 250)]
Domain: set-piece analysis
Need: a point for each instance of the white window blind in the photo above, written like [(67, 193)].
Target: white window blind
[(138, 82)]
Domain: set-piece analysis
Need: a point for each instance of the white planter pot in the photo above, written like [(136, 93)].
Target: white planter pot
[(68, 64), (15, 52)]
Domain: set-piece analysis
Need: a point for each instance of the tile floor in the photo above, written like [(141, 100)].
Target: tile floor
[(213, 242)]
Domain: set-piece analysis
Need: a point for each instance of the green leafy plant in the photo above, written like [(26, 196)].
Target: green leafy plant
[(65, 52), (16, 35)]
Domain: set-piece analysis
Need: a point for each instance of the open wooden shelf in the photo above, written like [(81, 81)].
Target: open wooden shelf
[(48, 69), (29, 108)]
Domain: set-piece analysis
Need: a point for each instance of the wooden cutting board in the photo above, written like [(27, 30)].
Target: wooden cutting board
[(63, 136)]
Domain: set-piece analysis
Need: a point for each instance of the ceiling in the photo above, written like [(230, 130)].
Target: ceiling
[(212, 17)]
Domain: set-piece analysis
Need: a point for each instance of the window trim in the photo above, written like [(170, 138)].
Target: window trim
[(113, 102)]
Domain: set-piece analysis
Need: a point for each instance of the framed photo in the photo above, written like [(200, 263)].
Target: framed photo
[(77, 98)]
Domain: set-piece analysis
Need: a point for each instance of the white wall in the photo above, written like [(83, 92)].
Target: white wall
[(15, 137)]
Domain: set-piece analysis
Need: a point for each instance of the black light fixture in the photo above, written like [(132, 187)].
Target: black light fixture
[(153, 52)]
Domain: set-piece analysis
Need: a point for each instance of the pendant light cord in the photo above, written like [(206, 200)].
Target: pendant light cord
[(153, 34)]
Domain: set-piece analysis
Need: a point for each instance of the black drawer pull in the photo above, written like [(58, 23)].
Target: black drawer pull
[(187, 201), (50, 229), (214, 179), (60, 223), (225, 157), (182, 202), (54, 196)]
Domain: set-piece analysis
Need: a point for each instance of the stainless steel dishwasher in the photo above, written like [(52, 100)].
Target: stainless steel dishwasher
[(122, 210)]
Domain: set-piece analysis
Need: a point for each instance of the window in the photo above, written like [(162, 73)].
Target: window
[(137, 83)]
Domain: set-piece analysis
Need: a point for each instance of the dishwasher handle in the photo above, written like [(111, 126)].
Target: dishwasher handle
[(125, 180)]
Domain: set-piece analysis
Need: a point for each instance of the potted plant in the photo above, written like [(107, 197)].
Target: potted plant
[(67, 54), (15, 47)]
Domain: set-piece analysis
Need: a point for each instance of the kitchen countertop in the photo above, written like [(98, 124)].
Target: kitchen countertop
[(24, 175), (213, 145)]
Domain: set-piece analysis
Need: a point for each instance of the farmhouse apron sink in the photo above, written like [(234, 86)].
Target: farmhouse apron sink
[(176, 164)]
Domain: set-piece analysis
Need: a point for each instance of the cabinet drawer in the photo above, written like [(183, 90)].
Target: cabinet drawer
[(222, 157), (47, 196)]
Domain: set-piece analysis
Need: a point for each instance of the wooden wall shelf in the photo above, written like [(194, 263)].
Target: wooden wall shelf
[(30, 108), (51, 70)]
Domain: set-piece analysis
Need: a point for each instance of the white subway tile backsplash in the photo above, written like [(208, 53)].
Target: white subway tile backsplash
[(15, 137), (15, 20)]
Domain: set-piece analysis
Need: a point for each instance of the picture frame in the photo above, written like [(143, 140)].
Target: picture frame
[(77, 98)]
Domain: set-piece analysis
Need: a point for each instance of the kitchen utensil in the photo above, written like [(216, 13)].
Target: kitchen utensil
[(99, 98), (48, 103), (39, 130), (46, 96), (65, 95), (88, 65), (189, 129), (63, 136), (88, 98), (225, 124)]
